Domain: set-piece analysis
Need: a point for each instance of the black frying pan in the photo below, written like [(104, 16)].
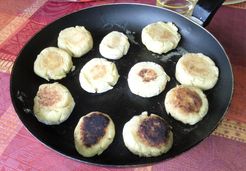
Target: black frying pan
[(120, 103)]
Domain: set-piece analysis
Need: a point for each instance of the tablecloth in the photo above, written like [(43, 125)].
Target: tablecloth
[(225, 149)]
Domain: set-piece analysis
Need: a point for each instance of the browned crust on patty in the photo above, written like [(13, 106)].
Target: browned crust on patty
[(94, 128), (48, 96), (187, 100), (147, 74), (154, 131)]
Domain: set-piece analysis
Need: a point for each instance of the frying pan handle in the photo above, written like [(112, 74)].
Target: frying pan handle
[(205, 10)]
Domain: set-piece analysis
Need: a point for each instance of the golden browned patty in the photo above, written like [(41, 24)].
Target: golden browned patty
[(187, 104), (187, 100)]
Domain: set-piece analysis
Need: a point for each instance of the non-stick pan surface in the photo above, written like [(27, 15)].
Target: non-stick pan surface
[(120, 103)]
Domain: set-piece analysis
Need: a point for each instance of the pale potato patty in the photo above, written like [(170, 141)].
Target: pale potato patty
[(75, 40), (147, 79), (98, 75), (53, 63), (198, 70), (160, 37), (114, 45)]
